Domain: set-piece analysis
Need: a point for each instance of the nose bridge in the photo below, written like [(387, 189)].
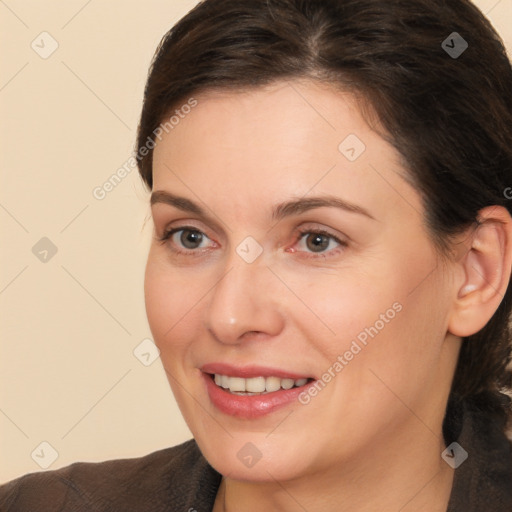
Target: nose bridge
[(242, 301)]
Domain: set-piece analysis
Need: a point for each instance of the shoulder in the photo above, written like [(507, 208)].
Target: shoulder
[(172, 476), (483, 476)]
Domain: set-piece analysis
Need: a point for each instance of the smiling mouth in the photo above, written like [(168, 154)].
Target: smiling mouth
[(256, 385)]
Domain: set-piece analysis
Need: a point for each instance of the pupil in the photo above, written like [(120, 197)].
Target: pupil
[(317, 243), (191, 239)]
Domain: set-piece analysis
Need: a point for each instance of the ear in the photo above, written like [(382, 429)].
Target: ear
[(486, 267)]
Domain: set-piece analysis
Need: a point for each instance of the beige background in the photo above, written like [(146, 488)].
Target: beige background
[(69, 326)]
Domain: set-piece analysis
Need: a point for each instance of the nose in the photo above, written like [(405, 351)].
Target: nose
[(244, 302)]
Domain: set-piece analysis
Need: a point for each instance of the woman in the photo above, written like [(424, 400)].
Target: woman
[(328, 282)]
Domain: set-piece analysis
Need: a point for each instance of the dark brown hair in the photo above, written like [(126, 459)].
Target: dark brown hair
[(449, 116)]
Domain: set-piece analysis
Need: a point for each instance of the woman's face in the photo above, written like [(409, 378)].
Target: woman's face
[(297, 251)]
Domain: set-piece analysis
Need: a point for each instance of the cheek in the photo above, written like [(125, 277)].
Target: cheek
[(171, 303), (400, 352), (387, 318), (339, 308)]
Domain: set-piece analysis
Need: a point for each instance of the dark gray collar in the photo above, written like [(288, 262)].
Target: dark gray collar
[(483, 482)]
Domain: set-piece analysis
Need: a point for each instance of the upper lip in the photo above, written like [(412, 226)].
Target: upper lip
[(249, 371)]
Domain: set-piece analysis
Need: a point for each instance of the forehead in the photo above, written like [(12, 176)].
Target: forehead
[(287, 139), (285, 118)]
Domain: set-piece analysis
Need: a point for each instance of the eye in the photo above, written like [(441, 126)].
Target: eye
[(186, 238), (318, 242)]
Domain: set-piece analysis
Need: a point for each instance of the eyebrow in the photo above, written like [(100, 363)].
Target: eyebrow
[(181, 203), (286, 209), (298, 206)]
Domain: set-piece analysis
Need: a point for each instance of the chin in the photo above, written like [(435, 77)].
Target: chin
[(255, 458)]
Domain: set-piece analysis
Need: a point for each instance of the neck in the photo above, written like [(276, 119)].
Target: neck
[(402, 471)]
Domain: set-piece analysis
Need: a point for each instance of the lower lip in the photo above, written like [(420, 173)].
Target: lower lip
[(251, 406)]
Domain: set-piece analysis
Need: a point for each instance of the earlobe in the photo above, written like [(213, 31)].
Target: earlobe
[(486, 268)]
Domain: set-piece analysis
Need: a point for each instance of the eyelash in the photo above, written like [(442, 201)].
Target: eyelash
[(308, 231), (164, 239), (301, 233)]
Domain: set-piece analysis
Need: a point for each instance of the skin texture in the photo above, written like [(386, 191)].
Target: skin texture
[(371, 439)]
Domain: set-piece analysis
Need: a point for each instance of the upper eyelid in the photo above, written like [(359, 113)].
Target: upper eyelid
[(202, 216), (338, 236), (300, 231), (319, 231), (169, 232), (189, 224)]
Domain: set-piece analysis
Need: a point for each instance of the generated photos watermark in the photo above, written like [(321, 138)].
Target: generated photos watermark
[(356, 346), (101, 192)]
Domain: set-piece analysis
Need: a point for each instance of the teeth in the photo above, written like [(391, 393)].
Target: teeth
[(256, 385), (272, 384), (236, 384), (287, 383)]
